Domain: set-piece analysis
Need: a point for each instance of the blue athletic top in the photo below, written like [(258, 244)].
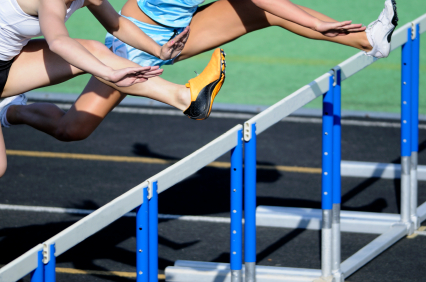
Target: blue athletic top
[(173, 13)]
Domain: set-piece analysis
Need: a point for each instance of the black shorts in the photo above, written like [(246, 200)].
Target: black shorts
[(4, 73)]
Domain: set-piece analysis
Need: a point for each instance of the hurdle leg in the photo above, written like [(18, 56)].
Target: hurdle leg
[(406, 132), (237, 211), (337, 135), (50, 264), (153, 233), (142, 236), (327, 183), (38, 274), (250, 202), (415, 79)]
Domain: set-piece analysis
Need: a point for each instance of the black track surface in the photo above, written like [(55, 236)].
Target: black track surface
[(90, 184)]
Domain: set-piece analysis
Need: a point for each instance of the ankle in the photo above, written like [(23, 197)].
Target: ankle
[(183, 98), (364, 44)]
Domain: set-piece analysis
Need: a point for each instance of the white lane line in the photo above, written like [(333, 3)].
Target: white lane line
[(165, 112), (130, 214)]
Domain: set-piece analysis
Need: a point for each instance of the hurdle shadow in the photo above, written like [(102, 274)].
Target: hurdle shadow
[(370, 181)]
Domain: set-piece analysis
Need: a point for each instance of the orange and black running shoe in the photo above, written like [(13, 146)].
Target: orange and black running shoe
[(205, 87)]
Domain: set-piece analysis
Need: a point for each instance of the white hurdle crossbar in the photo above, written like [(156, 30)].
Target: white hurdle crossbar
[(330, 219)]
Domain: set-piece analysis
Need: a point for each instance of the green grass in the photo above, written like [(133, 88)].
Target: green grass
[(265, 66)]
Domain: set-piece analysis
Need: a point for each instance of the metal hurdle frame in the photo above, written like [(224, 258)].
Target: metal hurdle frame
[(330, 219), (40, 261)]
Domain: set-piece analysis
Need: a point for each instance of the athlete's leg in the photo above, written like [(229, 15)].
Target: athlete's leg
[(225, 20), (78, 122), (41, 67)]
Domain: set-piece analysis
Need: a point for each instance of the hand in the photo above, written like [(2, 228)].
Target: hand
[(129, 76), (338, 28), (173, 48)]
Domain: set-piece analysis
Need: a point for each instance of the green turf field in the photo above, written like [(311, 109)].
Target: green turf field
[(265, 66)]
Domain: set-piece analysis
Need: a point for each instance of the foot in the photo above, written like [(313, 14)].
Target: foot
[(205, 87), (6, 103), (379, 32)]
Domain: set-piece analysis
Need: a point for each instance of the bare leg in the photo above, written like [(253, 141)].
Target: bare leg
[(78, 122), (226, 20), (41, 67)]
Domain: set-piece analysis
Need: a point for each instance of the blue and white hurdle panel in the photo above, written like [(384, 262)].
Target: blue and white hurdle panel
[(330, 219)]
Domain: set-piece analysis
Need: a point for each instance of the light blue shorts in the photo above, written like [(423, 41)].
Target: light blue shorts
[(159, 34)]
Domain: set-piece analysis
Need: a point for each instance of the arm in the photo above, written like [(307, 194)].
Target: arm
[(129, 33), (3, 159), (287, 10), (51, 15)]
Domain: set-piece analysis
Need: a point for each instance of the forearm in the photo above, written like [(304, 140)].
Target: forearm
[(129, 33), (287, 10), (79, 57)]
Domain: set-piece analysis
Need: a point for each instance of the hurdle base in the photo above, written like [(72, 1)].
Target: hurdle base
[(196, 271), (373, 249), (350, 221), (421, 213), (377, 170)]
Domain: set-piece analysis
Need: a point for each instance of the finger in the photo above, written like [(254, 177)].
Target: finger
[(357, 29), (158, 72), (338, 25), (352, 26), (183, 36), (138, 69), (180, 36)]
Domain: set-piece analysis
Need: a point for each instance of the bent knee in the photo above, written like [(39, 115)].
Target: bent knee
[(94, 47), (69, 133)]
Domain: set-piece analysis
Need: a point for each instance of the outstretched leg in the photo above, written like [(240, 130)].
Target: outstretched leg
[(225, 20), (98, 99), (41, 67)]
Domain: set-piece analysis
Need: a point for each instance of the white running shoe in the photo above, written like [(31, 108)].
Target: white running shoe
[(21, 99), (379, 32)]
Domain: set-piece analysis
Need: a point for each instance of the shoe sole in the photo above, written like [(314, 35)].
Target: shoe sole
[(394, 20), (210, 91), (217, 84)]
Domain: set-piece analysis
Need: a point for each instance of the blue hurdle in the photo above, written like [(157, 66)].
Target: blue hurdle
[(330, 219)]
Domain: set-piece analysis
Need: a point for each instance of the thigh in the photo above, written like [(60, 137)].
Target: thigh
[(221, 22), (36, 66)]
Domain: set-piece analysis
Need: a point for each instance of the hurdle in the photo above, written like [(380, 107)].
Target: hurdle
[(330, 220), (40, 261)]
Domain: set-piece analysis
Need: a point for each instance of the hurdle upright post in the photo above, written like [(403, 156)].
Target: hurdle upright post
[(406, 82), (415, 80), (237, 210), (337, 135), (327, 181), (142, 239), (153, 231), (250, 139), (49, 263), (38, 274)]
